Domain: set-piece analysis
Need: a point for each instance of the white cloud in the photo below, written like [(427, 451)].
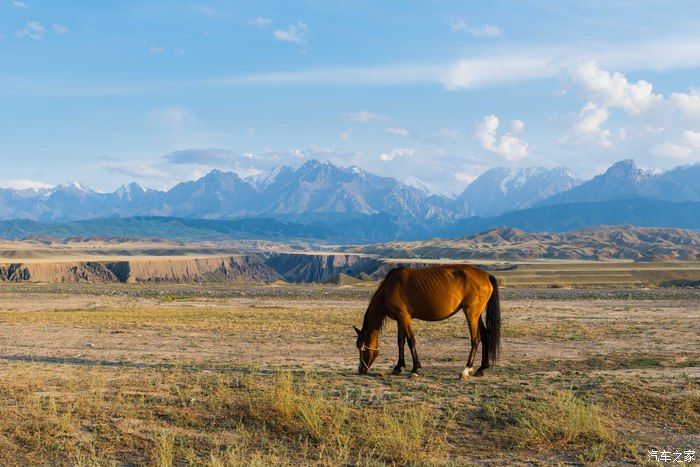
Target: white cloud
[(494, 67), (364, 116), (59, 29), (517, 125), (203, 156), (137, 170), (396, 152), (486, 132), (613, 89), (34, 30), (676, 151), (173, 118), (692, 138), (465, 177), (688, 103), (685, 149), (605, 91), (346, 134), (478, 72), (23, 184), (297, 153), (488, 30), (589, 125), (260, 22), (297, 34), (205, 159), (401, 132), (498, 66), (156, 49), (19, 4), (507, 146)]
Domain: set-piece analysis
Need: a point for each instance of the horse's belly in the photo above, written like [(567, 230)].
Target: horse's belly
[(436, 309)]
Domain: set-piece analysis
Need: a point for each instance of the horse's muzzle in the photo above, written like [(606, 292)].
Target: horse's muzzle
[(361, 369)]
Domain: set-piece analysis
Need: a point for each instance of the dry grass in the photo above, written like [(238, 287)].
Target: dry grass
[(168, 417), (410, 436), (557, 420), (258, 382), (553, 424)]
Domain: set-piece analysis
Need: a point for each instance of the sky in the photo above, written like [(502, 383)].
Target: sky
[(436, 91)]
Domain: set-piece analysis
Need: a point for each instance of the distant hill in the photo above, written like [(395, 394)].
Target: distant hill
[(635, 211), (378, 227), (173, 228), (505, 243), (365, 229)]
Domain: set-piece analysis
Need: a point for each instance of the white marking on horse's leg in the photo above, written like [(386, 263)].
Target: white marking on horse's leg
[(466, 372)]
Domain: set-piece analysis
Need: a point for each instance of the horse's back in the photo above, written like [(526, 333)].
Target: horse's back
[(434, 293)]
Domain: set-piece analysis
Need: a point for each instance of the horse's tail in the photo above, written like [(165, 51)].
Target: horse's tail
[(493, 322)]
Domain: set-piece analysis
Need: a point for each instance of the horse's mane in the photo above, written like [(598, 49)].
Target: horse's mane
[(375, 317)]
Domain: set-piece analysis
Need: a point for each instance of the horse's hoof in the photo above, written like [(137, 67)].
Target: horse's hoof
[(479, 373), (414, 374), (464, 375), (396, 371)]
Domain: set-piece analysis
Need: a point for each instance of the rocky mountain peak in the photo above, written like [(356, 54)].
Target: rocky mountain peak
[(627, 169)]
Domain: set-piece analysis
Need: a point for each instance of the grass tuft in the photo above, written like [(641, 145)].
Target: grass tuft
[(164, 450), (558, 420), (407, 436)]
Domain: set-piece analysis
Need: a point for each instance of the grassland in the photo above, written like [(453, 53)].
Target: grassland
[(215, 375)]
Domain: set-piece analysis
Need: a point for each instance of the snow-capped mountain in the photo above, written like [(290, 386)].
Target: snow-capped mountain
[(500, 190), (264, 179), (323, 192), (625, 180)]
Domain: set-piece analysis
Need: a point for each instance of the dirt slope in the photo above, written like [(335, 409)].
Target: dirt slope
[(241, 268)]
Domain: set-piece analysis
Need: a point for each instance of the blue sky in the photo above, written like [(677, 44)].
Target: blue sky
[(159, 92)]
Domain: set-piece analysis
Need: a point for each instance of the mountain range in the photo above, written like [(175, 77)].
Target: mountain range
[(625, 180), (321, 200), (314, 191)]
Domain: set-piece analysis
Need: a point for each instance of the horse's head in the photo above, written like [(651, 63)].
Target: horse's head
[(368, 350)]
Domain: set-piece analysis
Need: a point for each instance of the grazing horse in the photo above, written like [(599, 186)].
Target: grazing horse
[(433, 294)]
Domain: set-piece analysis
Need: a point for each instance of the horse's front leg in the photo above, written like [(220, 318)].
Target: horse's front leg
[(408, 330), (402, 343)]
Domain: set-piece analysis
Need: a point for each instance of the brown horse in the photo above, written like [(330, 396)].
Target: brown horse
[(433, 294)]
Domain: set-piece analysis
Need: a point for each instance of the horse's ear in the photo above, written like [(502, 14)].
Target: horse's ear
[(357, 330)]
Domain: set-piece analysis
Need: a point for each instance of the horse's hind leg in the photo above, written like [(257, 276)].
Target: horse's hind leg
[(402, 343), (473, 323), (484, 349)]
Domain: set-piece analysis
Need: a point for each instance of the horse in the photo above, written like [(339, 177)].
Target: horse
[(433, 294)]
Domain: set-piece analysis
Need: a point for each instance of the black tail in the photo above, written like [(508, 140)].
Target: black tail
[(493, 322)]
